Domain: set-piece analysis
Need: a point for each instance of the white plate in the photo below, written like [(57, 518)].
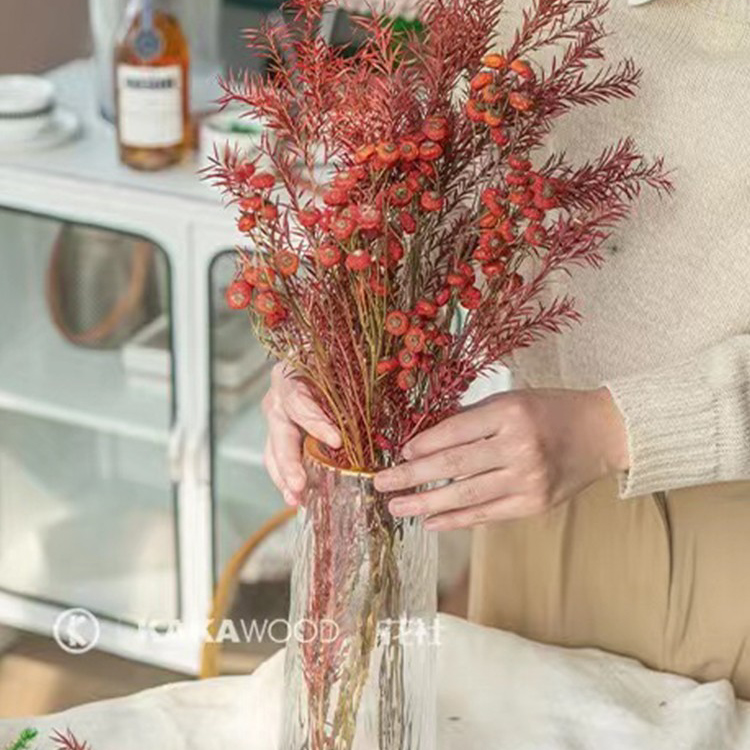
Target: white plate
[(62, 127)]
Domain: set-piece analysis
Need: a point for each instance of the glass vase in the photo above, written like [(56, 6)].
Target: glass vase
[(360, 660)]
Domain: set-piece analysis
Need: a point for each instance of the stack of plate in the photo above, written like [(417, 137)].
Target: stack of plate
[(29, 116)]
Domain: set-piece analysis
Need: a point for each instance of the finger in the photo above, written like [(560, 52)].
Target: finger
[(503, 509), (475, 458), (459, 429), (286, 446), (273, 471), (465, 493), (302, 409)]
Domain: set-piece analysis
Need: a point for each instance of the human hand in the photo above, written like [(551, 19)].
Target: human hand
[(291, 412), (511, 455)]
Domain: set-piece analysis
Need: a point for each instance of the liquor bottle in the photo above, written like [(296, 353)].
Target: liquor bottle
[(152, 86)]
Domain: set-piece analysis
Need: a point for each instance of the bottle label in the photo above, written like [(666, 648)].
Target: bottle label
[(150, 106)]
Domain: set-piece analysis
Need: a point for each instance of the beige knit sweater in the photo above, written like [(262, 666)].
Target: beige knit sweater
[(666, 323)]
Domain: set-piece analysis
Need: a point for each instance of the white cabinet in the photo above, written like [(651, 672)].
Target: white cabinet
[(121, 492)]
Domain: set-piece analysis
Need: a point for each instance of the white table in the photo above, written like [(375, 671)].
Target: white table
[(497, 692)]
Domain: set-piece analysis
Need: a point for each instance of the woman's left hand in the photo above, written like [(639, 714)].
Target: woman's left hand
[(511, 455)]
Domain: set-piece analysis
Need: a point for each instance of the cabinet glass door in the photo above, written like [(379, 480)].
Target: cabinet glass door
[(87, 505), (244, 497)]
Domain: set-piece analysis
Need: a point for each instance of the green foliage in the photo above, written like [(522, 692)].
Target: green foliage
[(24, 740)]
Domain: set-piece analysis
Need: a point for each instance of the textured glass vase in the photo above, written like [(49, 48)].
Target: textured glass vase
[(360, 661)]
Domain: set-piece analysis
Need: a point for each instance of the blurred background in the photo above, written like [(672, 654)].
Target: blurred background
[(131, 475)]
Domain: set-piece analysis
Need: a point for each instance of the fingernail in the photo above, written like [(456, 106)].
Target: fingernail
[(333, 439)]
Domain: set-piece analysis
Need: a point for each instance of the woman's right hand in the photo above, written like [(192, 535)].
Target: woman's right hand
[(291, 412)]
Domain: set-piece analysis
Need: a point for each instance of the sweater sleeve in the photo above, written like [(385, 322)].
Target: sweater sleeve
[(689, 423)]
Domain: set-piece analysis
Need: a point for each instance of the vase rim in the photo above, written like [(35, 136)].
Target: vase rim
[(312, 449)]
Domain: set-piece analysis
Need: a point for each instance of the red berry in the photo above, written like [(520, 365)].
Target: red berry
[(400, 194), (431, 201), (407, 358), (287, 262), (262, 180), (328, 255), (493, 244), (406, 379), (415, 339), (239, 294), (491, 94), (378, 286), (517, 179), (396, 323), (309, 217), (408, 223), (358, 261), (470, 298)]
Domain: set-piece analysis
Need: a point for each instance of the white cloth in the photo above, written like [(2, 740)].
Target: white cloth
[(497, 691)]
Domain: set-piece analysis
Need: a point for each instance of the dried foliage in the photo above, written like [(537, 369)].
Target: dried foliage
[(402, 227)]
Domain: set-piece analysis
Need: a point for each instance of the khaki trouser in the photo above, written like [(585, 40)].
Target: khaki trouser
[(664, 578)]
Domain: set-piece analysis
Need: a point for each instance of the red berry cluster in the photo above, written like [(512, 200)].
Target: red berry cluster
[(418, 338), (501, 90)]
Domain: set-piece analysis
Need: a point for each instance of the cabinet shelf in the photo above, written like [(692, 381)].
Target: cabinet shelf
[(43, 375)]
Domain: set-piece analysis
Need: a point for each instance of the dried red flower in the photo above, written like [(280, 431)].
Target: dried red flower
[(523, 69), (396, 323), (431, 201), (406, 380), (358, 261), (430, 150), (262, 181), (267, 303), (407, 358), (408, 223), (494, 61), (415, 340), (369, 217), (520, 101), (387, 365), (328, 255), (470, 298), (425, 308), (343, 227), (286, 262), (239, 294), (400, 194), (309, 217), (480, 80), (388, 152), (435, 128), (246, 223), (364, 153), (409, 150)]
